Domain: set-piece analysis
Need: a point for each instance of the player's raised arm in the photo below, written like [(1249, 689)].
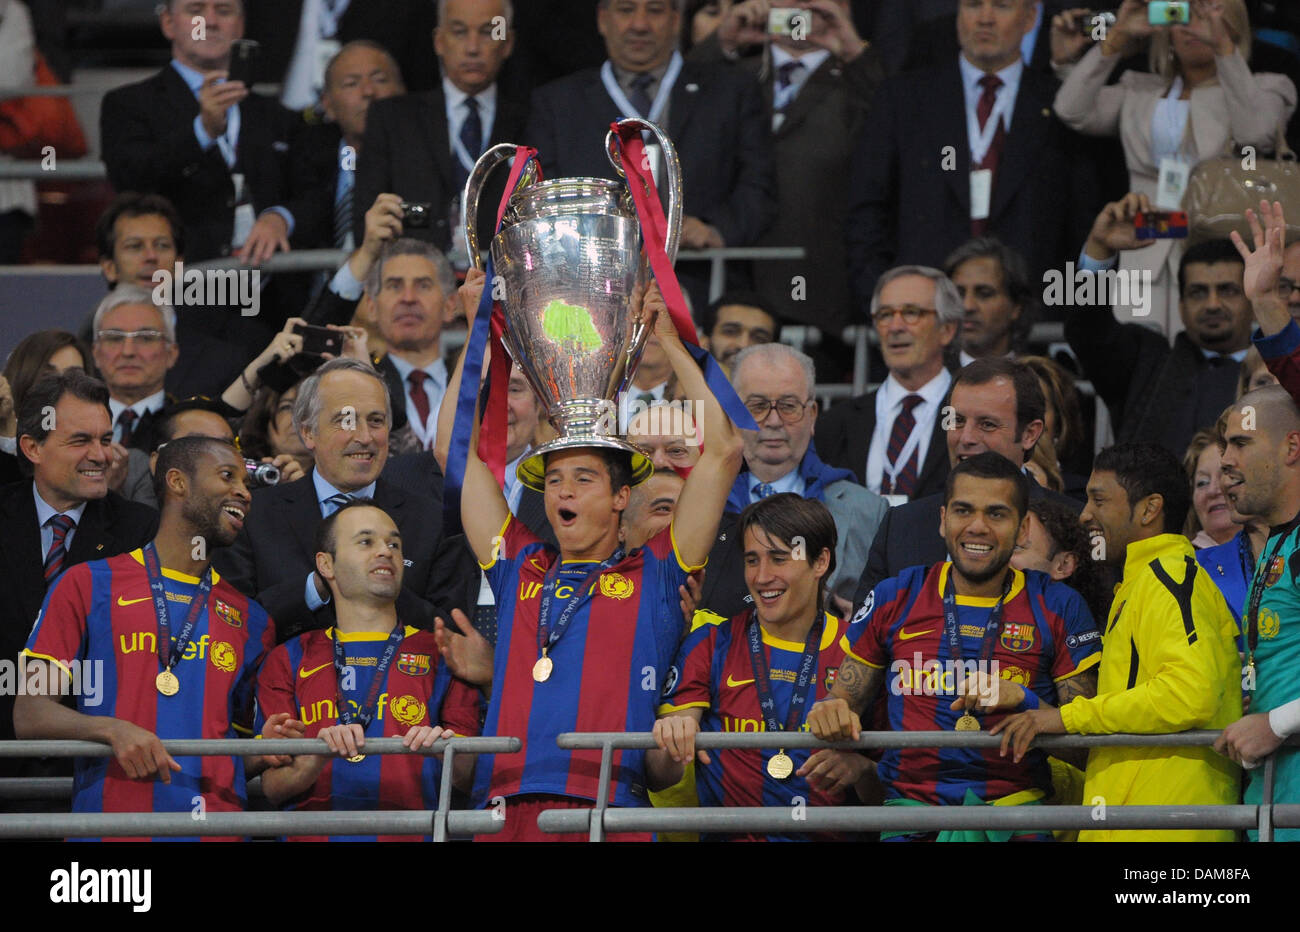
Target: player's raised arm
[(704, 496), (483, 507)]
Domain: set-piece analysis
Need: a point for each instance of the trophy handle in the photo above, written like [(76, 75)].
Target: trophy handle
[(673, 171), (474, 187)]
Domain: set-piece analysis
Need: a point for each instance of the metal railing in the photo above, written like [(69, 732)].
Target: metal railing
[(438, 822), (602, 819)]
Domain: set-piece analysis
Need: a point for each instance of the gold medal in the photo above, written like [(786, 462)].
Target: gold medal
[(356, 759), (167, 683), (780, 766), (968, 722), (542, 669)]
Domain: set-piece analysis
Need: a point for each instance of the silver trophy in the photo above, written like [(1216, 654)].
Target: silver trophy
[(570, 258)]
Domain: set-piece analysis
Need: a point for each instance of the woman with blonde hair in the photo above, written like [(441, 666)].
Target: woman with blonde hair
[(1199, 97)]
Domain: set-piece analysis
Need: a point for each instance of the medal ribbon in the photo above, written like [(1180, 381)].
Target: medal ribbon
[(952, 631), (763, 679), (549, 634), (1257, 588), (366, 714), (489, 327), (654, 227), (169, 654)]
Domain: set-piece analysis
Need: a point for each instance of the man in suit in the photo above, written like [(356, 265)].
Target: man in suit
[(343, 413), (892, 438), (959, 150), (218, 152), (816, 93), (998, 405), (1156, 392), (298, 38), (713, 114), (776, 383), (65, 514), (423, 146), (134, 347)]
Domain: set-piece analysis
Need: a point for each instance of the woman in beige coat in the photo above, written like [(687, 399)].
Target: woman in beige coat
[(1199, 96)]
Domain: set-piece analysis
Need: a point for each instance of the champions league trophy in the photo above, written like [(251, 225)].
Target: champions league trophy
[(570, 257)]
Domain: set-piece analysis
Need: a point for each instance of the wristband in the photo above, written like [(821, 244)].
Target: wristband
[(1030, 702)]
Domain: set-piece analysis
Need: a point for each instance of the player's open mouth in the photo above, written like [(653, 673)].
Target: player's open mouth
[(976, 549), (236, 514), (566, 516)]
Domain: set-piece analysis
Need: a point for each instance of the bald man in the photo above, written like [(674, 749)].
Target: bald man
[(667, 432), (1261, 466)]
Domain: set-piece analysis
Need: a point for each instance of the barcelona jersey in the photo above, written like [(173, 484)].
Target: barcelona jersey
[(609, 666), (103, 612), (298, 677), (714, 673), (1046, 634)]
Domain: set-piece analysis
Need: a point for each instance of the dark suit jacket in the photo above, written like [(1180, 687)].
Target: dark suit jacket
[(407, 151), (206, 365), (910, 536), (843, 439), (934, 41), (144, 433), (404, 27), (109, 526), (148, 145), (315, 154), (273, 554), (715, 119), (906, 208)]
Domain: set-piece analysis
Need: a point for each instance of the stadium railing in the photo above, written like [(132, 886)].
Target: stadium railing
[(438, 822), (603, 819)]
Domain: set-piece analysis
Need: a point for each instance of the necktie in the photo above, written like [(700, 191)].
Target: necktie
[(905, 481), (343, 213), (763, 490), (335, 502), (471, 131), (61, 525), (419, 397), (126, 423), (640, 97), (983, 109), (785, 73)]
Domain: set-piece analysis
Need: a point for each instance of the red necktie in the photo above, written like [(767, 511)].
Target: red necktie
[(983, 109), (54, 557), (905, 481), (418, 395)]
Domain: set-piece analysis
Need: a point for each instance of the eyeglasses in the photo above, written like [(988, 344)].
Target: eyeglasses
[(790, 410), (117, 338), (909, 312)]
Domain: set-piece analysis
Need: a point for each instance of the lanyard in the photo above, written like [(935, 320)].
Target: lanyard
[(1257, 588), (763, 679), (982, 139), (953, 632), (904, 455), (464, 156), (169, 653), (661, 98), (365, 715), (547, 633)]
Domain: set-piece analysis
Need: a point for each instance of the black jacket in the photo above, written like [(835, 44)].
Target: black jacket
[(843, 439)]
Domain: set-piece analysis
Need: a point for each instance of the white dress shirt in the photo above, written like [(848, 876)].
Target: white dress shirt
[(435, 386), (889, 404), (44, 512), (970, 83), (153, 403)]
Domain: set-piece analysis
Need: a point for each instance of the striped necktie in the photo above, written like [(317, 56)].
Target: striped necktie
[(54, 558), (335, 502), (905, 480)]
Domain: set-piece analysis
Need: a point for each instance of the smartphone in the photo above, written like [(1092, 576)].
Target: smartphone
[(789, 21), (1161, 224), (316, 341), (243, 57), (1169, 12)]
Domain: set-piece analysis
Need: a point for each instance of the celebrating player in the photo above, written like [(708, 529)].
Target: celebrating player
[(368, 675), (174, 647), (762, 670), (587, 634), (965, 641)]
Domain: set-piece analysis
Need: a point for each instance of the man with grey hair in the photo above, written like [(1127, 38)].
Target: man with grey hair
[(343, 413), (892, 438), (776, 383), (134, 346)]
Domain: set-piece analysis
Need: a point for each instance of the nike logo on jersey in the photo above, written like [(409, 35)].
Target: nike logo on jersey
[(734, 682), (904, 636), (306, 673), (125, 602)]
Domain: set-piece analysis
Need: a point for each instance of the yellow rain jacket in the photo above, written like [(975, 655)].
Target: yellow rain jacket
[(1169, 663)]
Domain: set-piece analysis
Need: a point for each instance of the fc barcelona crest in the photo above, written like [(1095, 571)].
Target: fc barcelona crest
[(413, 664), (230, 616), (1274, 571), (1017, 636), (830, 677)]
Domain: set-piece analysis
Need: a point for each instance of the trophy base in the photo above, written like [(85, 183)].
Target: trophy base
[(532, 469)]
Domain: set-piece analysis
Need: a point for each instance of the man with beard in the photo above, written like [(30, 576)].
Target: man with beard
[(966, 642), (1170, 662), (1261, 464), (156, 646)]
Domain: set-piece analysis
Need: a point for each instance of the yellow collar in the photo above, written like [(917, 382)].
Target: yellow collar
[(1017, 583)]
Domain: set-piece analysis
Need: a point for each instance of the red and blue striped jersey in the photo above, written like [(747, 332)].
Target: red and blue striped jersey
[(298, 677), (609, 666), (713, 672), (1047, 634), (103, 612)]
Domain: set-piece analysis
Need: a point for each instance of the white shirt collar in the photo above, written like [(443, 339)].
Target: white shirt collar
[(790, 482), (970, 78), (153, 403), (437, 369), (810, 60), (487, 98), (45, 511), (325, 490), (892, 391)]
